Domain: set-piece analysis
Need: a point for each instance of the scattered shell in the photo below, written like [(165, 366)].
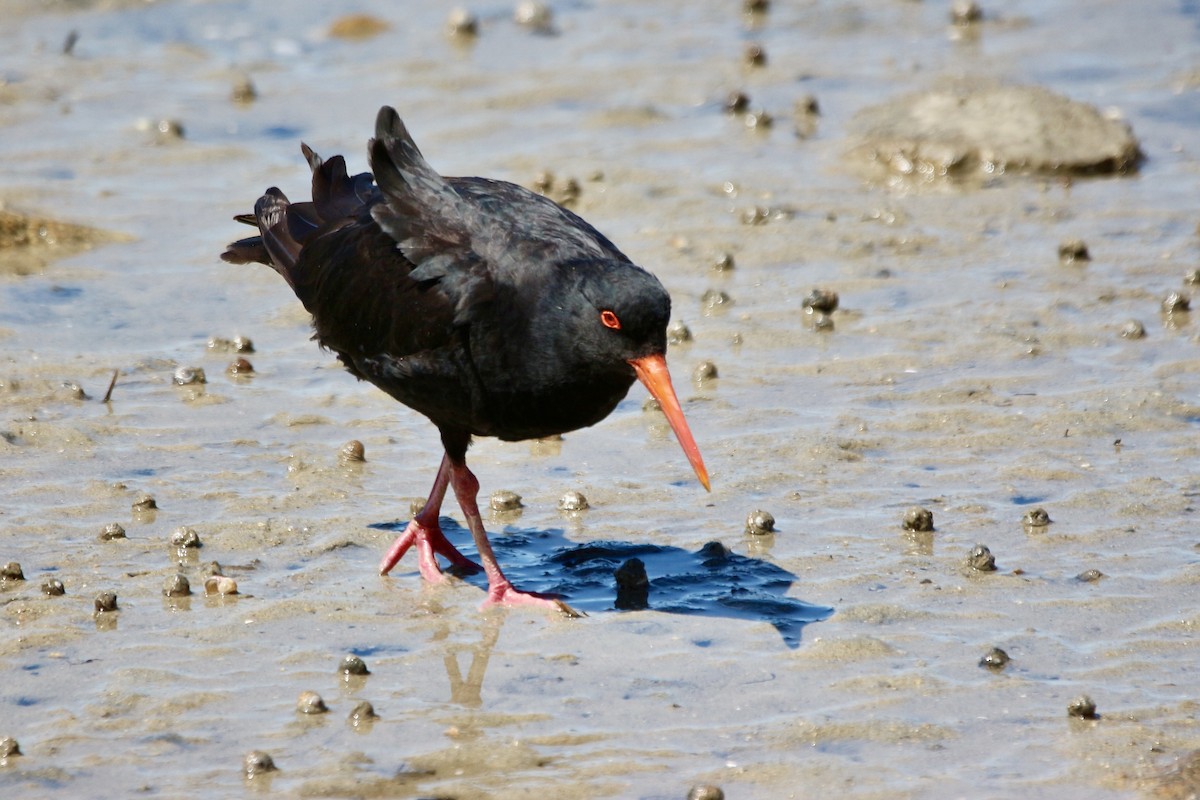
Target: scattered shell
[(760, 523), (757, 120), (705, 371), (73, 391), (220, 585), (243, 92), (533, 15), (362, 713), (706, 791), (981, 559), (754, 55), (144, 503), (177, 586), (823, 323), (1072, 250), (505, 500), (995, 659), (310, 702), (750, 7), (11, 572), (651, 404), (238, 344), (256, 762), (352, 452), (1192, 277), (105, 601), (1082, 707), (712, 299), (822, 300), (163, 130), (737, 102), (357, 26), (678, 332), (1133, 330), (572, 501), (918, 519), (53, 587), (965, 12), (185, 538), (9, 747), (1176, 302), (353, 665), (806, 104), (185, 376), (1089, 576), (1036, 518), (240, 368), (723, 263), (633, 585), (112, 530), (462, 24)]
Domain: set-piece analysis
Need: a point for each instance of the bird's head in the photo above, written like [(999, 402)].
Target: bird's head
[(622, 321)]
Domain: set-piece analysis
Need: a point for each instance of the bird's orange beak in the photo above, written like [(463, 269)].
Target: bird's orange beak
[(652, 371)]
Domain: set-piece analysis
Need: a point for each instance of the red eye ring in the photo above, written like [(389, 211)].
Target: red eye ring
[(609, 320)]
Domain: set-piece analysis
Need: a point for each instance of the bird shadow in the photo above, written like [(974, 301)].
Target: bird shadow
[(612, 576)]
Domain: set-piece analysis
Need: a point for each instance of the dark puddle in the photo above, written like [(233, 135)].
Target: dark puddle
[(711, 582)]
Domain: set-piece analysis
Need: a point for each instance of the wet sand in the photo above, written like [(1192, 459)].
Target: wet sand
[(968, 372)]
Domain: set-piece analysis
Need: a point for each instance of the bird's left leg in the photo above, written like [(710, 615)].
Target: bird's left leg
[(500, 590), (426, 533)]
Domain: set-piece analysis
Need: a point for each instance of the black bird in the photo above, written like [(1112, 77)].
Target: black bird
[(490, 309)]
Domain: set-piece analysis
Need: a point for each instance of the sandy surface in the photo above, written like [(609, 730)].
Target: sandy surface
[(968, 372)]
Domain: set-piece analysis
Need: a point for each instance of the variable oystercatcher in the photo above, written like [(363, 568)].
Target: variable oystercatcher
[(488, 308)]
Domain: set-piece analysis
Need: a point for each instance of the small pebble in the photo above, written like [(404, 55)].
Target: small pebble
[(357, 26), (244, 92), (705, 371), (11, 572), (177, 586), (1089, 576), (965, 12), (918, 519), (533, 15), (821, 300), (352, 452), (240, 368), (73, 390), (105, 602), (112, 530), (723, 263), (505, 500), (822, 323), (678, 332), (353, 665), (572, 501), (750, 7), (53, 587), (737, 102), (757, 215), (310, 703), (1036, 518), (1133, 330), (760, 523), (754, 55), (1192, 277), (256, 762), (163, 130), (1082, 707), (650, 404), (633, 585), (1176, 302), (981, 559), (713, 298), (185, 538), (362, 713), (185, 376), (757, 120), (220, 585), (807, 105), (9, 747), (462, 24), (995, 659), (706, 791), (1072, 250), (144, 503)]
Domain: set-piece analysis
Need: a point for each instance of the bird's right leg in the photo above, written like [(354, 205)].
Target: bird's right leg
[(425, 532)]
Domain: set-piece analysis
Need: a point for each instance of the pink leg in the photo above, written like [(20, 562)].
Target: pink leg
[(500, 591), (425, 532)]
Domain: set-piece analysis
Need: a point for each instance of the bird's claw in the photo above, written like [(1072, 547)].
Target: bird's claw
[(505, 595), (430, 542)]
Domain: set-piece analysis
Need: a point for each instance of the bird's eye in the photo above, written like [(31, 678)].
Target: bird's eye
[(609, 320)]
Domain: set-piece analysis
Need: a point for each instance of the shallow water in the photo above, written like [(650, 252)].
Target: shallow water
[(969, 373)]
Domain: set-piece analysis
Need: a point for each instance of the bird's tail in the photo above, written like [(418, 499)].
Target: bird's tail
[(285, 227)]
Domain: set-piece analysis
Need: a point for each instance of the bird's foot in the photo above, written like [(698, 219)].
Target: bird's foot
[(430, 542), (503, 594)]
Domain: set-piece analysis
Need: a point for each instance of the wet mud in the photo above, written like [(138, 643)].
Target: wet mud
[(862, 353)]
